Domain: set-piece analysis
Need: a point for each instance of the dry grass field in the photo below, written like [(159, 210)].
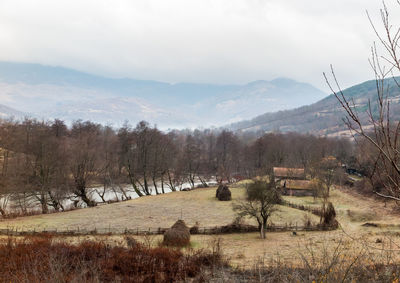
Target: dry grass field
[(152, 212), (353, 209), (241, 249)]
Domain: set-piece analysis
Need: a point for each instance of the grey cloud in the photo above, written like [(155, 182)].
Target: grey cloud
[(226, 41)]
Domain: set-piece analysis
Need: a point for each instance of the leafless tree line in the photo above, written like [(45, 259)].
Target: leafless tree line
[(43, 164)]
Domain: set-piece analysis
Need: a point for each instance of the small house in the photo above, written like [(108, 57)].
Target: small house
[(284, 173), (296, 187)]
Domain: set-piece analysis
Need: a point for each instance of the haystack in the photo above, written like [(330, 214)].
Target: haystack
[(224, 194), (329, 215), (178, 235), (218, 190), (328, 218)]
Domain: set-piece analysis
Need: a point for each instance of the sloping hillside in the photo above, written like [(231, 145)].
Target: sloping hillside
[(324, 117)]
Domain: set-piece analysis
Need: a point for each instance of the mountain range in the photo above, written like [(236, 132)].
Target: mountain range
[(284, 105), (47, 92)]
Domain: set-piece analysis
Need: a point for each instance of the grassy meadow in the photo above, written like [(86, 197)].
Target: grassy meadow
[(200, 206)]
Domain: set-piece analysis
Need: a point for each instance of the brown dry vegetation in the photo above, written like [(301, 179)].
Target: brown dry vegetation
[(39, 259), (354, 209), (96, 259), (244, 250)]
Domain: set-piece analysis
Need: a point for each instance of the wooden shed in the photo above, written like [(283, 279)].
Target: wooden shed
[(288, 173), (297, 187)]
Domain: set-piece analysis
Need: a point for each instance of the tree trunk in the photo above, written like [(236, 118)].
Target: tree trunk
[(54, 202), (162, 183), (170, 182), (43, 203), (101, 195), (262, 231), (123, 192), (146, 185), (81, 192), (45, 209), (203, 182), (191, 180), (155, 186), (88, 202), (133, 183), (115, 193)]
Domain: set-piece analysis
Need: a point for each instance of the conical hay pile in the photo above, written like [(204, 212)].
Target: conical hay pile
[(218, 190), (224, 194), (178, 235)]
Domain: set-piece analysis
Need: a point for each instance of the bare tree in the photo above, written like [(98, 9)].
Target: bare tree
[(261, 200), (227, 155), (328, 172), (128, 156), (190, 161), (84, 158), (376, 125)]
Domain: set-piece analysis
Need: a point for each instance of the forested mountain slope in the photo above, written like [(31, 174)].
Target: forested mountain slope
[(324, 117)]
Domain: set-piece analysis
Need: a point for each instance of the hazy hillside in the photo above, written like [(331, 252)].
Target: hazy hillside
[(324, 117), (55, 92), (8, 112)]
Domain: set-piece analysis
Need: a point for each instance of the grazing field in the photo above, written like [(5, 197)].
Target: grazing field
[(201, 206), (353, 209), (152, 212)]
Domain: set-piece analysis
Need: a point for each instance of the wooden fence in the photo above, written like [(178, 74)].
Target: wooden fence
[(314, 210), (228, 229)]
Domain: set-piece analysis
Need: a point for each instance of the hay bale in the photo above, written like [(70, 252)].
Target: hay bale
[(178, 235), (224, 194), (328, 218), (329, 214), (218, 190)]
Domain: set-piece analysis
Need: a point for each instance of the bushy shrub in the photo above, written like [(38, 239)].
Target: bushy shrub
[(194, 229)]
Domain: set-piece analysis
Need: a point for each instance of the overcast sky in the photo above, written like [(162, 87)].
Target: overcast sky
[(208, 41)]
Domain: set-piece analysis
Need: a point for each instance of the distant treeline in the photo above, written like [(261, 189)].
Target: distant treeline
[(45, 163)]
